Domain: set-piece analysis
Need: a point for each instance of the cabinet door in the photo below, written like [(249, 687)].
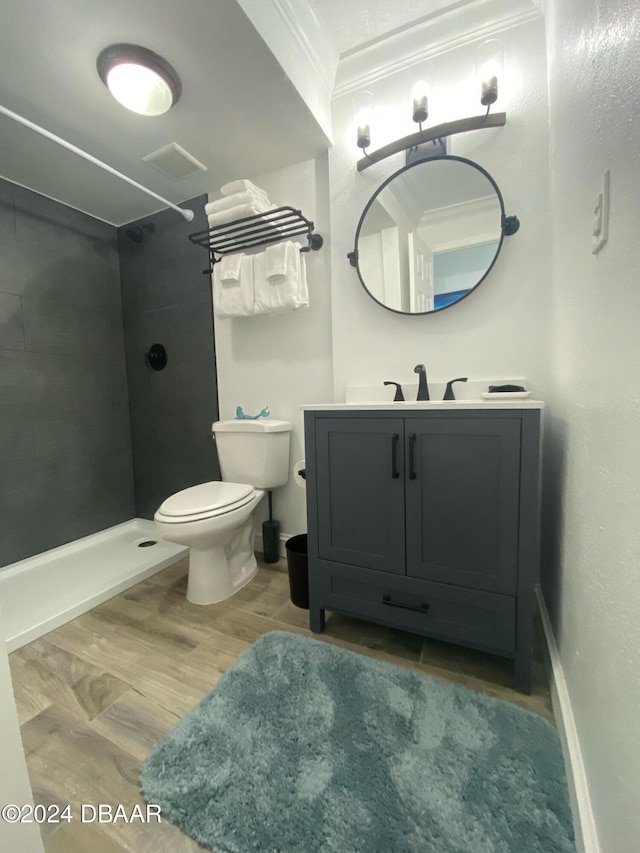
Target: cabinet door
[(360, 483), (463, 485)]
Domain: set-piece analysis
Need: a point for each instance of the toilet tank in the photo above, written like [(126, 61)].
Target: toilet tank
[(253, 451)]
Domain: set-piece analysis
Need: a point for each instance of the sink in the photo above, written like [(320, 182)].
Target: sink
[(380, 397), (469, 391)]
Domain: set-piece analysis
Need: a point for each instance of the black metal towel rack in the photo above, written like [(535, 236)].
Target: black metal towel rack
[(275, 225)]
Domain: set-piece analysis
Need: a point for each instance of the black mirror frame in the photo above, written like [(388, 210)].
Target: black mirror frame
[(509, 226)]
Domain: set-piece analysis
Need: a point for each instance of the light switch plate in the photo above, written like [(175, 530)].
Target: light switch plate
[(600, 232)]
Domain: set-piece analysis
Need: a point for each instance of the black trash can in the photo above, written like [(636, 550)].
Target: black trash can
[(298, 566)]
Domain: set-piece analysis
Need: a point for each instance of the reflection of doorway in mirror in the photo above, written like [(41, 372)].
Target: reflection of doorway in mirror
[(383, 255), (383, 266), (421, 292), (464, 240), (457, 271), (370, 260)]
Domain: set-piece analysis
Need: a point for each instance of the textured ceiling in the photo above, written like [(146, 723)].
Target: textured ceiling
[(353, 24)]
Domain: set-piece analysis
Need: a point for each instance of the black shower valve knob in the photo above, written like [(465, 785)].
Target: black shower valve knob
[(156, 358)]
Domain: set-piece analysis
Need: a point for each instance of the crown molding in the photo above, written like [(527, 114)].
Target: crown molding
[(311, 37), (452, 212), (461, 25)]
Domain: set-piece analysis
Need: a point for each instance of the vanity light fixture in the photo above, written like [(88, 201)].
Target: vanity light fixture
[(139, 79), (434, 135), (488, 67)]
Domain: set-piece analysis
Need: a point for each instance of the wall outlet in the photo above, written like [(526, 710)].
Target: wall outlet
[(600, 232)]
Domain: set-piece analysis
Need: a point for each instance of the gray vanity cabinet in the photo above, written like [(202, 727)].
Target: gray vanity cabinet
[(427, 522), (361, 516), (462, 487)]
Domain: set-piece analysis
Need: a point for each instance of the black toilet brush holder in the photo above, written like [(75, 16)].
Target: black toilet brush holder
[(271, 537)]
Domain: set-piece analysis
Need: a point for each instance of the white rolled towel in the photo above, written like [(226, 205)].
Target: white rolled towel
[(237, 212), (234, 200), (241, 186)]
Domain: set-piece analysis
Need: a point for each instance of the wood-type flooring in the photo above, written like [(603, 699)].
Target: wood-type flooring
[(94, 695)]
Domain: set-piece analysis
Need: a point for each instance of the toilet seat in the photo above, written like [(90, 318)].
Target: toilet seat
[(207, 500)]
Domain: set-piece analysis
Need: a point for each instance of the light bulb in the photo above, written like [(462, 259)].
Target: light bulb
[(420, 101), (139, 89), (363, 113), (489, 59), (421, 76)]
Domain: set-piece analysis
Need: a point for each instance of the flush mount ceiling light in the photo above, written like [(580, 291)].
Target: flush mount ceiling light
[(139, 79)]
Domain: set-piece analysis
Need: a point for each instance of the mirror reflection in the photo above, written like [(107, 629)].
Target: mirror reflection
[(429, 235)]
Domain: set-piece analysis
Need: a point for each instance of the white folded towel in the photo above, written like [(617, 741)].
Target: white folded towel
[(234, 200), (275, 260), (280, 292), (237, 212), (234, 298), (241, 186), (230, 267), (303, 295)]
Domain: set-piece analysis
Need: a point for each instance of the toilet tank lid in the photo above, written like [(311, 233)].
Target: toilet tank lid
[(260, 425)]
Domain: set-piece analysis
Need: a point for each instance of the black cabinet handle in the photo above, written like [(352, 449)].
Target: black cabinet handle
[(421, 608), (394, 456), (412, 455)]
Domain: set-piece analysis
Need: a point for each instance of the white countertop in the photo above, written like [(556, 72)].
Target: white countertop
[(427, 405)]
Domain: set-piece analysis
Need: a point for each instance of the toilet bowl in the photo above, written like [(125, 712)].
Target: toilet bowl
[(216, 521)]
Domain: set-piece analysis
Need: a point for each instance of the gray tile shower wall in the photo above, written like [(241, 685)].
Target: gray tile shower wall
[(167, 300), (65, 442)]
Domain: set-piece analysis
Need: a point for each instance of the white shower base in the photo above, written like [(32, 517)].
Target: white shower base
[(45, 591)]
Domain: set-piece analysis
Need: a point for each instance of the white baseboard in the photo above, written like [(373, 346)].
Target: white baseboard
[(584, 822)]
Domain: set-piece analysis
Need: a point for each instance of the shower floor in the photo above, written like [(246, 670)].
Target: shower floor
[(43, 592)]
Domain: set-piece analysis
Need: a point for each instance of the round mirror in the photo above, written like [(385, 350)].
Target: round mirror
[(430, 234)]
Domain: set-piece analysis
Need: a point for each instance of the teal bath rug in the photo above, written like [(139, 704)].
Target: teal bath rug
[(305, 747)]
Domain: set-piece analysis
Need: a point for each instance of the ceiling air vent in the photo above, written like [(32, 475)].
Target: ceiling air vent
[(174, 161)]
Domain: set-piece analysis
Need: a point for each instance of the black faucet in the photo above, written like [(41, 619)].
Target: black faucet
[(399, 396), (423, 388), (448, 394)]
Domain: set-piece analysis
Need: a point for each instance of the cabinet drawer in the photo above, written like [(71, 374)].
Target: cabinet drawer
[(470, 617)]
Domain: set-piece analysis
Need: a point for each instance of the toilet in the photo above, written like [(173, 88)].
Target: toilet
[(216, 519)]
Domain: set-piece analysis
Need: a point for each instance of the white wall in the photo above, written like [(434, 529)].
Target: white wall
[(284, 360), (14, 782), (592, 580), (502, 328)]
